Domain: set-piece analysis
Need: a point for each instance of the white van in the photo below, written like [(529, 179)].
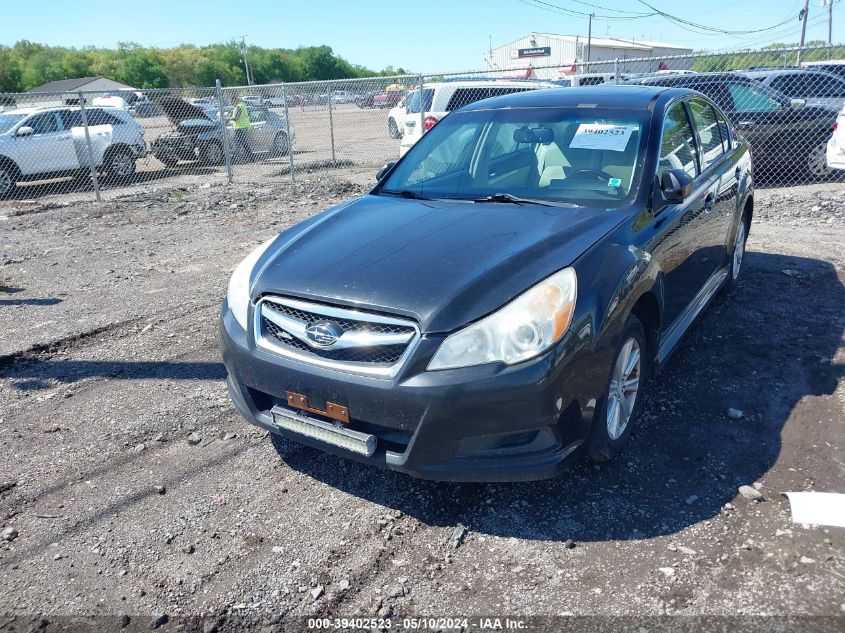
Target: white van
[(439, 99)]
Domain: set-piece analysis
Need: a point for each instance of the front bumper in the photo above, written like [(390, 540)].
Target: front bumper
[(485, 423)]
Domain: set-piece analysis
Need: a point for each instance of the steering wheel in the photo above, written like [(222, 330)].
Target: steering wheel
[(598, 174)]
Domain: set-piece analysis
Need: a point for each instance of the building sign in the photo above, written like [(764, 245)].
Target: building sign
[(537, 51)]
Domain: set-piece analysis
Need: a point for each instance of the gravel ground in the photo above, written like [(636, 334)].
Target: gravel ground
[(129, 487)]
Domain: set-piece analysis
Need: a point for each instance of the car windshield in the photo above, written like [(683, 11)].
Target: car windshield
[(8, 121), (585, 156)]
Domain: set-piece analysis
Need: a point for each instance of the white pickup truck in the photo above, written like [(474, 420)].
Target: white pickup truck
[(41, 143)]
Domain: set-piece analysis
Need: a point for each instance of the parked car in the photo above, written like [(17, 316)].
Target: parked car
[(492, 309), (441, 98), (366, 99), (41, 143), (197, 134), (835, 154), (787, 137), (387, 99), (396, 117), (337, 97), (272, 100), (816, 87), (136, 102)]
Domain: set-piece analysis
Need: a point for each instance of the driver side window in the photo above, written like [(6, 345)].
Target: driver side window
[(44, 123), (677, 149)]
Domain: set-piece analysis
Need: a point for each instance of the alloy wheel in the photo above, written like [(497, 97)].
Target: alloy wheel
[(817, 161), (6, 182), (624, 386), (739, 249), (122, 164)]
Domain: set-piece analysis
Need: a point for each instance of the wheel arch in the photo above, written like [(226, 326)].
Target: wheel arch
[(647, 309), (5, 161)]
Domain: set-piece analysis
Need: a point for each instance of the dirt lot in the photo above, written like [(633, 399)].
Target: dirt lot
[(137, 492)]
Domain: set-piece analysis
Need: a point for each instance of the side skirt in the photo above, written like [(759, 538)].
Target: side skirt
[(672, 336)]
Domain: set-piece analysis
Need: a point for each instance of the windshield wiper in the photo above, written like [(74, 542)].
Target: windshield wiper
[(508, 198), (405, 193)]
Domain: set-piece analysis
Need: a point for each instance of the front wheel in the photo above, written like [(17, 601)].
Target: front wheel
[(120, 165), (8, 180), (618, 412), (281, 147), (212, 153)]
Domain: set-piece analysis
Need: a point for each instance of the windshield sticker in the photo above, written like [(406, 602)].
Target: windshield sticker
[(603, 136), (614, 182)]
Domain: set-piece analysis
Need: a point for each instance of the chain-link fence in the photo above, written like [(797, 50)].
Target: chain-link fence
[(784, 101)]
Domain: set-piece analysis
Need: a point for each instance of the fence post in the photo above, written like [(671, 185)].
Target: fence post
[(223, 133), (91, 164), (331, 120), (616, 70), (290, 138), (422, 105)]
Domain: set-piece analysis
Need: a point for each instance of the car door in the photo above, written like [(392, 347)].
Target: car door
[(681, 227), (719, 177), (259, 136), (48, 149)]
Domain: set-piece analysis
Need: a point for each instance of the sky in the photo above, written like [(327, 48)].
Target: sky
[(429, 36)]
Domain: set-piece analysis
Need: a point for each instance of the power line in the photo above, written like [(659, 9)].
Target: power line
[(547, 6), (705, 29)]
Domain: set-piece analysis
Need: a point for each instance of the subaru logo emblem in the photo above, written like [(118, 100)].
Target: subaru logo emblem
[(323, 333)]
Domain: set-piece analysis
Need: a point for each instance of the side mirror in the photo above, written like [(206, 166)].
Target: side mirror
[(797, 103), (25, 130), (383, 171), (676, 185)]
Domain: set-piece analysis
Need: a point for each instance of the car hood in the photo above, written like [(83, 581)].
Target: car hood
[(441, 263), (178, 110)]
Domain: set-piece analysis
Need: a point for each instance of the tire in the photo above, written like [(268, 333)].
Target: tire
[(815, 162), (737, 254), (168, 161), (610, 433), (211, 153), (119, 165), (9, 175), (393, 129), (280, 146)]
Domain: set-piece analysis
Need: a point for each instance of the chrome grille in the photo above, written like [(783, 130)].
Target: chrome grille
[(370, 344)]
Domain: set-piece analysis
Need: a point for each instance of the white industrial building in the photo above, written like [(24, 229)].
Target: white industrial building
[(551, 56)]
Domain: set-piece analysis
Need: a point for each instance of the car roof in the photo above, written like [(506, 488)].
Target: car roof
[(622, 96), (770, 72), (34, 109), (683, 79), (485, 83)]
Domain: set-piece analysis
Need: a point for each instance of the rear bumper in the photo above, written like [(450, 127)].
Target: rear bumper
[(835, 154), (486, 423)]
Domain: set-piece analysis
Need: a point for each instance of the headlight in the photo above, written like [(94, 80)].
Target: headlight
[(523, 329), (238, 294)]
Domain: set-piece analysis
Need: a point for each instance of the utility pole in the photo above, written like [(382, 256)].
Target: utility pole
[(246, 62), (590, 33), (802, 15), (829, 5)]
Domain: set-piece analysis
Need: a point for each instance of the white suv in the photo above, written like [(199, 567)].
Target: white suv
[(439, 99), (38, 143)]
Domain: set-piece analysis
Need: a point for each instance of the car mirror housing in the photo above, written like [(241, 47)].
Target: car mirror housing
[(381, 173), (25, 130), (676, 185)]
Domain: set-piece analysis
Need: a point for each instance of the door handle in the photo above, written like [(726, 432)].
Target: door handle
[(709, 203), (738, 172)]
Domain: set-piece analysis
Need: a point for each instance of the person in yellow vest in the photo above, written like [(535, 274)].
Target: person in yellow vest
[(240, 122)]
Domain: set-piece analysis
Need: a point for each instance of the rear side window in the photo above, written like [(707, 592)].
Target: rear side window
[(72, 118), (96, 116), (677, 149), (724, 131), (413, 101), (465, 96), (708, 132)]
